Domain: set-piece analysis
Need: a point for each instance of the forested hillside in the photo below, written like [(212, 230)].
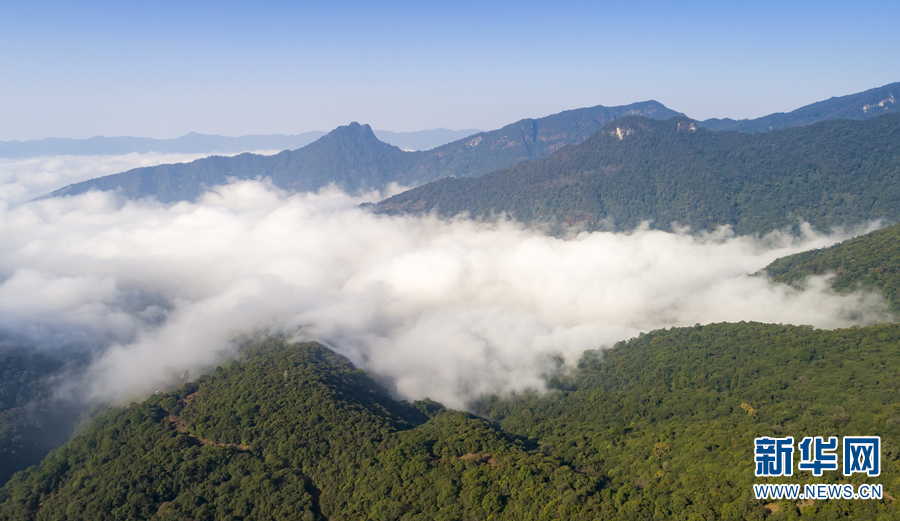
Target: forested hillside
[(354, 160), (636, 169), (868, 261), (658, 427), (295, 432), (670, 417)]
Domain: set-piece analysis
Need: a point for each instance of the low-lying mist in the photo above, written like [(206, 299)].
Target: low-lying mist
[(448, 309)]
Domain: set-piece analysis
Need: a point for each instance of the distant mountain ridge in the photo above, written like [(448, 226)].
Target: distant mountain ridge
[(637, 169), (195, 143), (192, 143), (863, 105), (347, 156), (354, 159), (368, 163)]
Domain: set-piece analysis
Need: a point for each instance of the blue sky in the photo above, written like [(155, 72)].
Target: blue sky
[(162, 69)]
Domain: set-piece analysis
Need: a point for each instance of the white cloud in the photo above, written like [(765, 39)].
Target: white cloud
[(437, 308)]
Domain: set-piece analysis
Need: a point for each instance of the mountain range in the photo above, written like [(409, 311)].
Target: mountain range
[(353, 159), (635, 169), (863, 105), (709, 179)]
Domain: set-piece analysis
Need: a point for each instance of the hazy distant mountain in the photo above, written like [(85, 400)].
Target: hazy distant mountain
[(194, 143), (638, 169), (355, 160), (350, 157), (863, 105)]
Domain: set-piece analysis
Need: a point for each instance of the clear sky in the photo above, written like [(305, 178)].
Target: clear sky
[(165, 68)]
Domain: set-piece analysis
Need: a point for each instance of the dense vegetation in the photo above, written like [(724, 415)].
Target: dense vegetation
[(862, 105), (670, 416), (355, 160), (636, 169), (295, 432), (658, 427), (868, 261)]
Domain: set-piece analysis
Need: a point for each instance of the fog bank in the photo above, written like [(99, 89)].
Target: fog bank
[(447, 309)]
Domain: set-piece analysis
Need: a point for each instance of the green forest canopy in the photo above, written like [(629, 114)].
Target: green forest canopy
[(657, 427), (635, 169), (870, 261)]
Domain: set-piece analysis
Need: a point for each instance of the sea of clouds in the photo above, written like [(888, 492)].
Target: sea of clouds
[(446, 309)]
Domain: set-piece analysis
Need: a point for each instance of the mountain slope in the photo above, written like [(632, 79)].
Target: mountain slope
[(671, 416), (868, 261), (352, 158), (659, 427), (525, 140), (863, 105), (293, 432), (636, 169)]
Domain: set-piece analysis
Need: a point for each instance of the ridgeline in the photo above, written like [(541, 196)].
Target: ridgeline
[(353, 159)]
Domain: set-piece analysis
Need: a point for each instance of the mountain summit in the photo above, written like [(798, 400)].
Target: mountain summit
[(351, 157)]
